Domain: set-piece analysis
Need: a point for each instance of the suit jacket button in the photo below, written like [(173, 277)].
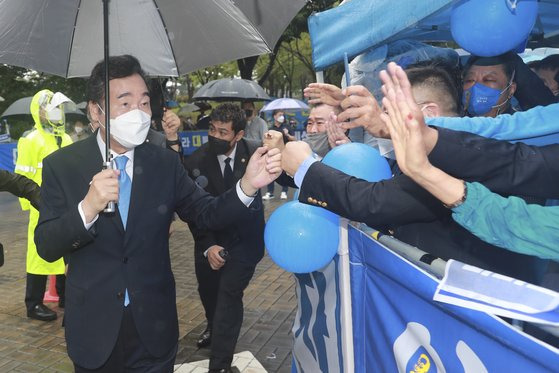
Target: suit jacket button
[(309, 200), (125, 260), (120, 295), (323, 204), (76, 244), (314, 201)]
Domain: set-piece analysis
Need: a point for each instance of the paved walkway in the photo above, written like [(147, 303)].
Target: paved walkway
[(34, 346)]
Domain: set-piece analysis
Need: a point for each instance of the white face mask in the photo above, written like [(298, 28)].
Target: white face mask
[(281, 119), (130, 129), (54, 115), (78, 130)]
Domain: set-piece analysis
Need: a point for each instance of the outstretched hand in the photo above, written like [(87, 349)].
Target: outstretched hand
[(360, 109), (405, 121), (263, 168), (321, 93), (336, 135)]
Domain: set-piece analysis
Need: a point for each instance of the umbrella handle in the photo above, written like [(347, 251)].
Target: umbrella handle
[(111, 206)]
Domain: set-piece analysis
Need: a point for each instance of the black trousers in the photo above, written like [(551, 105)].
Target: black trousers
[(221, 293), (35, 289), (129, 354)]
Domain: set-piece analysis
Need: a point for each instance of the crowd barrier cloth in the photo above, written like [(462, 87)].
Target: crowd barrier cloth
[(8, 156), (396, 325)]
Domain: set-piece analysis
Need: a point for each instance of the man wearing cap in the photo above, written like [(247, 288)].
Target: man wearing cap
[(47, 109)]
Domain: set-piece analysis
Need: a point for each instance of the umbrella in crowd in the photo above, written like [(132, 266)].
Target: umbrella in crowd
[(188, 108), (231, 89), (285, 104), (21, 107), (270, 17)]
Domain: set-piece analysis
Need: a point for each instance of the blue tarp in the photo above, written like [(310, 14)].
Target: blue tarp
[(358, 25)]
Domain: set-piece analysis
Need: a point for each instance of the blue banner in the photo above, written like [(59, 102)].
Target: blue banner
[(316, 328), (192, 140), (8, 156), (399, 328)]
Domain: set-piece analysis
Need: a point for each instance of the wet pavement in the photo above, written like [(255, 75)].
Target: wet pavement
[(34, 346)]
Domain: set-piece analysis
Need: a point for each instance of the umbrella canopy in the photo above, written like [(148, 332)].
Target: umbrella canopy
[(285, 104), (188, 108), (21, 107), (270, 17), (231, 89), (358, 25), (170, 38)]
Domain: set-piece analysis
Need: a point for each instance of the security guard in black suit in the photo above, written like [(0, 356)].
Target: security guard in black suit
[(224, 259)]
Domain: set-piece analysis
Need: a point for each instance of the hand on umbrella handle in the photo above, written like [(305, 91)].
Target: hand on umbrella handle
[(111, 206)]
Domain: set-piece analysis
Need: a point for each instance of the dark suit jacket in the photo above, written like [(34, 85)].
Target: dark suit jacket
[(20, 186), (413, 215), (503, 167), (106, 260), (245, 245)]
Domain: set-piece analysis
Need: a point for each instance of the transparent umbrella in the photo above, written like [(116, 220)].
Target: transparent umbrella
[(285, 104)]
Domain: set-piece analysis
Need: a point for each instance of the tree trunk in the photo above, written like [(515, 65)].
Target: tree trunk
[(271, 62), (246, 66)]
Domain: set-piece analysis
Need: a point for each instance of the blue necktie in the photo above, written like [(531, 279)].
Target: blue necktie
[(125, 187)]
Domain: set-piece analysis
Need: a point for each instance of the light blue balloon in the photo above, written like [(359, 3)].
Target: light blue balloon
[(301, 238), (359, 160), (489, 28)]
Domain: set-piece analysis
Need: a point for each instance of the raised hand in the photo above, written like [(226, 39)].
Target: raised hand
[(263, 168), (361, 109), (170, 123), (404, 119), (321, 93), (273, 139), (336, 135)]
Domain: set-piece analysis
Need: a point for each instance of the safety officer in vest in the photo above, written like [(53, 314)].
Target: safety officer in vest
[(48, 135)]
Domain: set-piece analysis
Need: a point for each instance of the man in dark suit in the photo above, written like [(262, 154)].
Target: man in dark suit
[(121, 308), (225, 259)]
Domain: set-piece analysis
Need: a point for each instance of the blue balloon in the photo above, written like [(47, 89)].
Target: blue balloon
[(489, 28), (359, 160), (302, 238)]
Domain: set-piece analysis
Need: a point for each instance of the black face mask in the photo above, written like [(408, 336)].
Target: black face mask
[(248, 113), (218, 146)]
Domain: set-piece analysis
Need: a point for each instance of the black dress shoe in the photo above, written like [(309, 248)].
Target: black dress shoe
[(205, 339), (42, 312)]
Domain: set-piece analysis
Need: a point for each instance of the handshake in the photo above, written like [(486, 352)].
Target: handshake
[(292, 154)]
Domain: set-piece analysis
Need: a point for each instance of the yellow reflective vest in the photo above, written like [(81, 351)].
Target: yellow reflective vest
[(32, 149)]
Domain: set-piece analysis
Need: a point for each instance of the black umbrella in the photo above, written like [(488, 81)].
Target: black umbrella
[(231, 89)]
